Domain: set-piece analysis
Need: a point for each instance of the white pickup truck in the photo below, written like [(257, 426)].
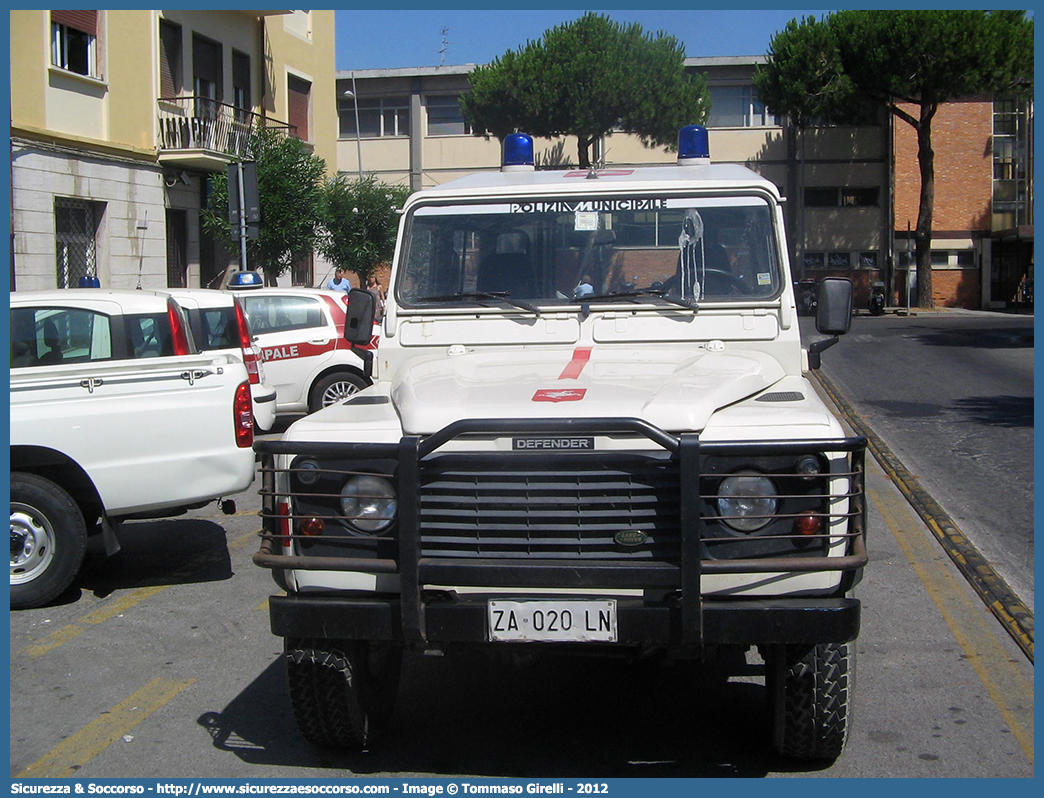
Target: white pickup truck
[(591, 428), (114, 415)]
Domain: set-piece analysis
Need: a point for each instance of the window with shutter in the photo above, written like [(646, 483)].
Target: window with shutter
[(83, 21), (170, 59), (241, 80), (74, 41), (298, 93), (206, 76)]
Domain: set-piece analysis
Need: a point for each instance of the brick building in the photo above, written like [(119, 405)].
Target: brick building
[(971, 216)]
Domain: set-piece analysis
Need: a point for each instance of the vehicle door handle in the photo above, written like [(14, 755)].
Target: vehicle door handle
[(194, 375), (319, 341), (91, 383)]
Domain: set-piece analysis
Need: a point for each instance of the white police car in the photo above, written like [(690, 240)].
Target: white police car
[(301, 335), (219, 324)]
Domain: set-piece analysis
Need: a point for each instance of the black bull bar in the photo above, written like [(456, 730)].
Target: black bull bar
[(687, 618)]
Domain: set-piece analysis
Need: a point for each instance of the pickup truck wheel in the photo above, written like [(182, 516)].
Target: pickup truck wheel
[(342, 692), (48, 540), (810, 689), (333, 388)]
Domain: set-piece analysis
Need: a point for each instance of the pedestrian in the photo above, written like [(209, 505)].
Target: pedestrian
[(378, 296), (339, 282)]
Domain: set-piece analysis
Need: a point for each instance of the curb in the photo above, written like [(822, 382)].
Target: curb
[(1008, 608)]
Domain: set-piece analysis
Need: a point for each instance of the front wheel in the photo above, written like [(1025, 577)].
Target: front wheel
[(48, 540), (334, 388), (342, 691), (810, 689)]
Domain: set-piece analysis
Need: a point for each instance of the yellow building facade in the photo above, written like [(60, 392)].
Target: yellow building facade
[(120, 117)]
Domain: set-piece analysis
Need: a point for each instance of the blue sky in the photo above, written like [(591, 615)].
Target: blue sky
[(368, 39)]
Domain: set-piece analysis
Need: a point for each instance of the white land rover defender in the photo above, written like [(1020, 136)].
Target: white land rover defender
[(590, 427)]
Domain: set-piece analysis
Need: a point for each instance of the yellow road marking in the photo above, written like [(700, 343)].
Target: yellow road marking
[(122, 603), (82, 747), (53, 640), (1009, 690), (103, 613), (245, 540)]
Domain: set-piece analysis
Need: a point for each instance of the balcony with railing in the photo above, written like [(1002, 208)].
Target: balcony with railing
[(200, 133)]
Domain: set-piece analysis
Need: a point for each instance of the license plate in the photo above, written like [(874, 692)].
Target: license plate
[(552, 621)]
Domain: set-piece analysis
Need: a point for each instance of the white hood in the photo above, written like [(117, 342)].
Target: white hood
[(675, 389)]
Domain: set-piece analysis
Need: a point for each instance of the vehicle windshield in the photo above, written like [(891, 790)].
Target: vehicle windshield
[(547, 252)]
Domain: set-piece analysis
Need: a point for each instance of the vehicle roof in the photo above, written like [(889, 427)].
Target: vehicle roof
[(714, 178), (128, 300), (296, 290), (203, 297)]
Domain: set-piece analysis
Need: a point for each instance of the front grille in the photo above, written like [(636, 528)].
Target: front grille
[(563, 520), (556, 507)]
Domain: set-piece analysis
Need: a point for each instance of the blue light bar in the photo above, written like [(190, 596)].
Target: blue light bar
[(246, 280), (693, 145), (518, 152)]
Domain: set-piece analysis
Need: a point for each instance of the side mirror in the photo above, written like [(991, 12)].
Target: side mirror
[(358, 320), (834, 305)]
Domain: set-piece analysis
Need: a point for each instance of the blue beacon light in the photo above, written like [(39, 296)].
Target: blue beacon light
[(693, 146), (518, 153), (246, 280)]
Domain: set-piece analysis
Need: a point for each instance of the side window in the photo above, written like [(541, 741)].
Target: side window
[(148, 336), (52, 336), (219, 328), (270, 314)]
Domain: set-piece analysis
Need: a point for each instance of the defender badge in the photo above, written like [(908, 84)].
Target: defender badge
[(630, 537)]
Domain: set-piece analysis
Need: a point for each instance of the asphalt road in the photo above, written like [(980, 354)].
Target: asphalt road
[(160, 665), (951, 394)]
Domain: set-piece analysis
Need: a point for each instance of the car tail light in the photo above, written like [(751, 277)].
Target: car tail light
[(243, 414), (178, 329), (246, 343)]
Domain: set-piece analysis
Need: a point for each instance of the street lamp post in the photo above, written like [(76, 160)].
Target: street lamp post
[(358, 133)]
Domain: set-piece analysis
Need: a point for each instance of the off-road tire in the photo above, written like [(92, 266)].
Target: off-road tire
[(333, 388), (342, 692), (810, 689), (48, 541)]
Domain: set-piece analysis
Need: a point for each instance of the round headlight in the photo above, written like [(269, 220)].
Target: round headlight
[(368, 503), (307, 472), (747, 501)]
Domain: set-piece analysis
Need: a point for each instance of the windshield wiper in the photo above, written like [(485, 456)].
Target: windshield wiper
[(691, 304), (499, 296)]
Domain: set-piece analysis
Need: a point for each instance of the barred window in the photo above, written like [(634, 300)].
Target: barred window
[(75, 231), (815, 260)]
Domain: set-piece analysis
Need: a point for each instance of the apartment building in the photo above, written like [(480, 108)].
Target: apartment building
[(119, 118), (851, 189)]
